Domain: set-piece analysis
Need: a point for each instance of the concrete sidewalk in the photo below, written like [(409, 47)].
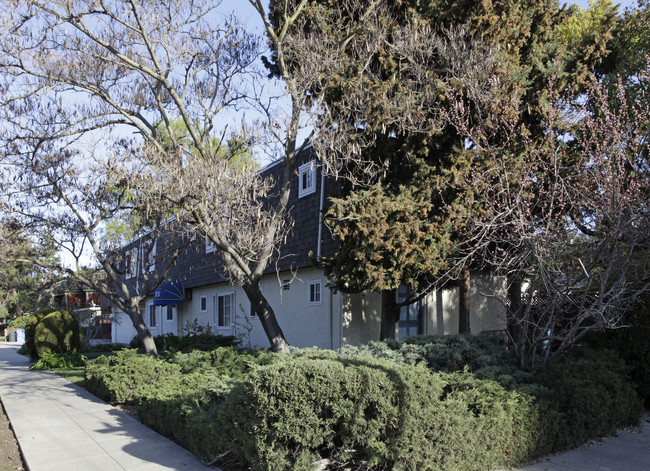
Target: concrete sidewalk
[(60, 426)]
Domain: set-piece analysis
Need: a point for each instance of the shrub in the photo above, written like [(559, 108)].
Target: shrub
[(373, 413), (205, 342), (57, 332), (223, 361), (30, 330), (21, 322), (126, 376), (485, 356), (183, 409), (105, 348), (59, 360), (593, 393), (278, 412), (632, 345), (170, 343)]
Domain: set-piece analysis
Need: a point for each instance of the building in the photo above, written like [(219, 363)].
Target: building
[(309, 313)]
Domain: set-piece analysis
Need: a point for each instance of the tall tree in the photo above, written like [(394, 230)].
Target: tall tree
[(68, 198), (412, 162)]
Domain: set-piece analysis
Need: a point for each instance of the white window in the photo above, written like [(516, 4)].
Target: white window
[(223, 309), (169, 313), (315, 288), (204, 304), (210, 246), (151, 256), (131, 263), (152, 316), (307, 179)]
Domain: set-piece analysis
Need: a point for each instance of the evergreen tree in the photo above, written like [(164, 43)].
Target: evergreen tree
[(402, 225)]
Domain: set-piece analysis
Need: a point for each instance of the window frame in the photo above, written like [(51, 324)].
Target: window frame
[(168, 311), (315, 296), (217, 317), (203, 304), (153, 324), (307, 171)]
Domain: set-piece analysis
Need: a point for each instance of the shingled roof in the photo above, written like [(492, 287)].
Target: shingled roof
[(194, 267)]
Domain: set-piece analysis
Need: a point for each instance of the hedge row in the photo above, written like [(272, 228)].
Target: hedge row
[(292, 412)]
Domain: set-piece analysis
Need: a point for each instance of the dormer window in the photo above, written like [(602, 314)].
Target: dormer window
[(131, 263), (210, 246), (307, 179)]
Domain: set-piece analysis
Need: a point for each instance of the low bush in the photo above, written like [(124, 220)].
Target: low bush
[(632, 345), (170, 343), (105, 348), (224, 361), (279, 412), (485, 356), (184, 410), (49, 361), (366, 413), (126, 376), (57, 332), (593, 392)]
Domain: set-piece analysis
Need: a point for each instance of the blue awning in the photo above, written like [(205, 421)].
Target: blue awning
[(169, 293)]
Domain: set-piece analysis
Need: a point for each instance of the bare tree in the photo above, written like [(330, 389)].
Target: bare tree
[(69, 198), (565, 218), (71, 69)]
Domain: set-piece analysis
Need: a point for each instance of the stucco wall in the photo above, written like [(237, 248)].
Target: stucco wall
[(337, 320), (486, 312), (304, 324), (361, 318)]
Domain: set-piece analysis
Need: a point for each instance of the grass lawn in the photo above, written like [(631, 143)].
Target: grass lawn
[(74, 375)]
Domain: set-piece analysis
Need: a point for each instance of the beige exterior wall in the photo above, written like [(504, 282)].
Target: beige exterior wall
[(361, 318), (304, 323), (338, 319), (486, 312)]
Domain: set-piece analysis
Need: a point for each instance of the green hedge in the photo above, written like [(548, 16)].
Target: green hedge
[(126, 376), (485, 356), (369, 413), (632, 345), (170, 343), (593, 393), (278, 412)]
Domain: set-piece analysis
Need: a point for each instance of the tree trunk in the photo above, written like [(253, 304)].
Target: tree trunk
[(267, 317), (143, 332), (514, 310), (463, 303), (389, 314)]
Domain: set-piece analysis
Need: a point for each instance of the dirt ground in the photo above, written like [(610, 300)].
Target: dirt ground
[(10, 459)]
